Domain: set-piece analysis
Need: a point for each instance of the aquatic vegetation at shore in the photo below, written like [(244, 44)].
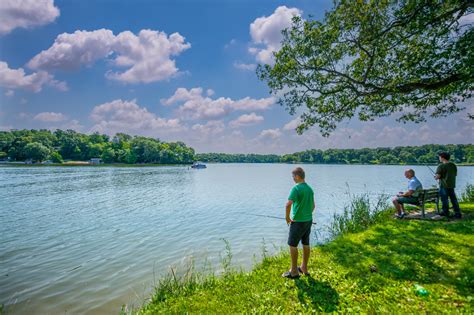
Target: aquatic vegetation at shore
[(359, 215), (468, 194)]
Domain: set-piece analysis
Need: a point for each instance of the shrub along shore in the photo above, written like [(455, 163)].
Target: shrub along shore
[(366, 268)]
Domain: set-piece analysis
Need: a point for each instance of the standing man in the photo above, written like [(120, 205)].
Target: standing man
[(446, 173), (410, 196), (299, 216)]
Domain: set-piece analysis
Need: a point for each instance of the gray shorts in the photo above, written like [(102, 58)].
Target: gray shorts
[(409, 200), (299, 231)]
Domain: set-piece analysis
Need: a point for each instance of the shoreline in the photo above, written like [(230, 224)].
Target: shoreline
[(157, 165), (88, 165)]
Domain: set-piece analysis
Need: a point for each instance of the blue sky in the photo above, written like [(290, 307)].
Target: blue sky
[(174, 70)]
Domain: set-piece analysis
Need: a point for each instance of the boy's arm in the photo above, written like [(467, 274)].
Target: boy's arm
[(288, 210), (439, 172)]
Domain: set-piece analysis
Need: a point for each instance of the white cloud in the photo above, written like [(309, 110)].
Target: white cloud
[(211, 128), (71, 51), (58, 85), (291, 125), (467, 19), (248, 103), (270, 134), (24, 115), (6, 127), (385, 132), (237, 133), (182, 94), (246, 120), (197, 106), (16, 78), (50, 117), (9, 93), (212, 137), (26, 14), (128, 116), (245, 66), (72, 124), (266, 32), (147, 56), (205, 108), (51, 121), (231, 43)]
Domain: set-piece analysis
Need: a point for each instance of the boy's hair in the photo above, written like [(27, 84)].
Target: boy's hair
[(298, 171), (445, 155)]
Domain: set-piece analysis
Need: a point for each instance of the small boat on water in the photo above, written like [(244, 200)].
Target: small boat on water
[(198, 165)]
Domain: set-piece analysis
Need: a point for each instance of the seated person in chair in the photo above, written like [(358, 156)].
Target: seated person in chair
[(410, 196)]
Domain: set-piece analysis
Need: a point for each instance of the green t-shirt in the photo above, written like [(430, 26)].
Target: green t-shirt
[(302, 196), (448, 172)]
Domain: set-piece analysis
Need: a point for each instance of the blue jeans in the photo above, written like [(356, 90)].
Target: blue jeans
[(444, 193)]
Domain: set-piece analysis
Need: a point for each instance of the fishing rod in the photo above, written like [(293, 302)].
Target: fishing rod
[(441, 179), (430, 169), (268, 216)]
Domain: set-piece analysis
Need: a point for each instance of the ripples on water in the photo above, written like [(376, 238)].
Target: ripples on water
[(89, 239)]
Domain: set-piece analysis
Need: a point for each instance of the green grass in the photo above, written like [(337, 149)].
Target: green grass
[(365, 272)]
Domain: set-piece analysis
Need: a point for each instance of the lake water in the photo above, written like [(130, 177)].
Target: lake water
[(90, 239)]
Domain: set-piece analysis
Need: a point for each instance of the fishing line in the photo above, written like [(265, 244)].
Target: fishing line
[(430, 169), (351, 195), (267, 216), (441, 179)]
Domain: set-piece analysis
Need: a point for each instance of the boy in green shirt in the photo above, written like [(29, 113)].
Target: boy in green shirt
[(299, 216), (446, 173)]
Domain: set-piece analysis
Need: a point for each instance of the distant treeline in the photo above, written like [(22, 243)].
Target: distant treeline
[(238, 158), (426, 154), (57, 146), (41, 145)]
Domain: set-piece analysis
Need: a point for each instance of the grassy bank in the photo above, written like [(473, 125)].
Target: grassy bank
[(374, 270)]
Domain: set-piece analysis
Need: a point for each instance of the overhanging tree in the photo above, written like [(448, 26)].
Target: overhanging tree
[(375, 58)]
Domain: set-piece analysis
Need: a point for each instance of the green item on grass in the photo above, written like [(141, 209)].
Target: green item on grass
[(419, 290)]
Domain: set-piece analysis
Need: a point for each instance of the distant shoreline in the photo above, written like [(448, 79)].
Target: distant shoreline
[(188, 165), (88, 165)]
